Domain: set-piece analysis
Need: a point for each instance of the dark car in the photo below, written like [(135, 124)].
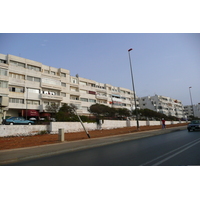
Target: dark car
[(17, 120), (194, 125)]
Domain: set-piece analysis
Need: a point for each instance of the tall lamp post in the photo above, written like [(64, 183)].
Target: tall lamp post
[(191, 100), (26, 100), (138, 127)]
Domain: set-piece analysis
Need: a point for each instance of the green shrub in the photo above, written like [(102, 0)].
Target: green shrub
[(43, 132)]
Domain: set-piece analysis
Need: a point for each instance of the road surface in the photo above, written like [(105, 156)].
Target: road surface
[(180, 148)]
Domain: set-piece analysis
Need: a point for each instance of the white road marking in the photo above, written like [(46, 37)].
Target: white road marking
[(191, 144)]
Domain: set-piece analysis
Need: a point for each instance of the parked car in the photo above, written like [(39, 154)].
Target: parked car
[(17, 120), (194, 125)]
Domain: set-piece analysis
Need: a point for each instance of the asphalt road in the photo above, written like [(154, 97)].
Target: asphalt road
[(180, 148)]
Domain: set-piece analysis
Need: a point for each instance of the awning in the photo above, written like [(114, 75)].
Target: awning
[(45, 115), (30, 113)]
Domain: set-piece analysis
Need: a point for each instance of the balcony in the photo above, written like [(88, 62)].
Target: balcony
[(86, 87), (101, 97), (15, 81), (51, 97), (17, 69), (50, 86), (76, 93)]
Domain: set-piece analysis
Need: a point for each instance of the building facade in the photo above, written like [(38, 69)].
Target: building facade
[(27, 85), (164, 105), (192, 110)]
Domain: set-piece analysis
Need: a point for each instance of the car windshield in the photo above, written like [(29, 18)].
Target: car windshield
[(11, 117), (195, 122)]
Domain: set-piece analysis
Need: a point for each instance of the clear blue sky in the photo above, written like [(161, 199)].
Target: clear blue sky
[(163, 64)]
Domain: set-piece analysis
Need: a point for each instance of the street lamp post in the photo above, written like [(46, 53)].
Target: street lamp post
[(138, 127), (26, 100), (191, 100)]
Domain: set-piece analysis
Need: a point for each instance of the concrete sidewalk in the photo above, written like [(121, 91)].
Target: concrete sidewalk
[(21, 154)]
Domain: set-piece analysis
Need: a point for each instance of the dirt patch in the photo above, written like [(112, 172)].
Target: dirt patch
[(36, 140)]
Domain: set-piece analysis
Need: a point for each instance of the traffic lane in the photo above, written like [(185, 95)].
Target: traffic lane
[(129, 153), (178, 142), (186, 155)]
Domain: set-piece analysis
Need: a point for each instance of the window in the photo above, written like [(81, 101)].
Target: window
[(84, 99), (53, 73), (17, 76), (63, 84), (46, 71), (31, 78), (50, 92), (74, 97), (17, 64), (13, 100), (38, 69), (31, 90), (2, 61), (92, 100), (63, 94), (3, 84), (36, 79), (74, 80), (73, 89), (16, 89), (84, 108), (62, 74), (33, 102), (3, 72)]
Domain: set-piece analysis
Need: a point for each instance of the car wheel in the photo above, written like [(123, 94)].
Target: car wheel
[(11, 123), (29, 123)]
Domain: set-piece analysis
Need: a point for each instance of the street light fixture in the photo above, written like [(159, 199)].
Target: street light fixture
[(191, 100), (138, 127)]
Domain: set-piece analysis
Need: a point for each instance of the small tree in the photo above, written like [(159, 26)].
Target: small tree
[(124, 112), (99, 110), (52, 108), (66, 113)]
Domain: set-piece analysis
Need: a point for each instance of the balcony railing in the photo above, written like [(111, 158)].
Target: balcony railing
[(101, 97), (51, 97)]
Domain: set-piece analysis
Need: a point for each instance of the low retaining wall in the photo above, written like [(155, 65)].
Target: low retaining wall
[(21, 130), (26, 130)]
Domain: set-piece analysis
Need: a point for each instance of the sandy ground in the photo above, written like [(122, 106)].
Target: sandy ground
[(29, 141)]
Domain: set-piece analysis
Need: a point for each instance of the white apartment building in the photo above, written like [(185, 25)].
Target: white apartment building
[(27, 85), (192, 110), (162, 104)]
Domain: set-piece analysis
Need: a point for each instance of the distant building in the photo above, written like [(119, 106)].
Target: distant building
[(27, 85), (162, 104), (192, 110)]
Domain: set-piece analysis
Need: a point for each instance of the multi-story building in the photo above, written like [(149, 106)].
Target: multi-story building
[(162, 104), (192, 110), (27, 87)]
